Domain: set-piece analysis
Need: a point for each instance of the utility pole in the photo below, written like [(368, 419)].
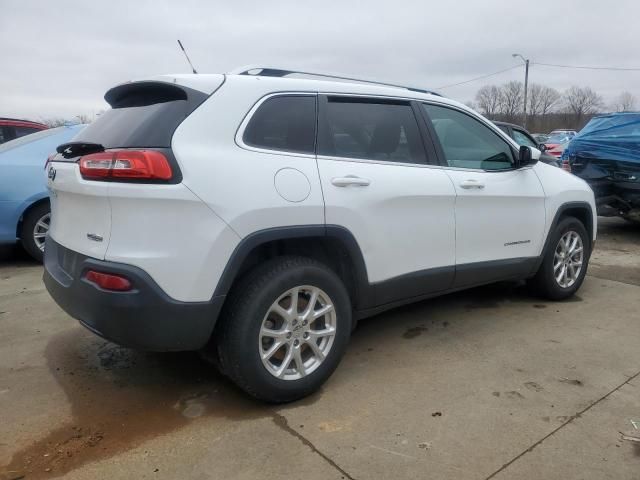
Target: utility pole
[(526, 86)]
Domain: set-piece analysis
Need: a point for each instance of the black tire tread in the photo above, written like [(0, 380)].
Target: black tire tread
[(238, 301)]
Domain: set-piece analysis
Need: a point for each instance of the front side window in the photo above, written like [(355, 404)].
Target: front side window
[(523, 139), (467, 142), (286, 123), (370, 129)]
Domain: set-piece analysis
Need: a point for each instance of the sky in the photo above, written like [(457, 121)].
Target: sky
[(60, 57)]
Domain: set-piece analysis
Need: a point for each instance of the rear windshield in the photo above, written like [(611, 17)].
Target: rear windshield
[(143, 115)]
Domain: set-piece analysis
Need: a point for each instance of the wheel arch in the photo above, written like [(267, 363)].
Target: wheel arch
[(331, 244), (580, 210)]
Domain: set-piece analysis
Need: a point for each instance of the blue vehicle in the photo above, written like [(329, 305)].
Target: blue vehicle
[(606, 154), (24, 199)]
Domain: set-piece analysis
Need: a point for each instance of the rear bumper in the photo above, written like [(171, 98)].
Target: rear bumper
[(144, 318)]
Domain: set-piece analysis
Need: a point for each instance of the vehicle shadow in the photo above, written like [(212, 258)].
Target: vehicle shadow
[(121, 397), (14, 255)]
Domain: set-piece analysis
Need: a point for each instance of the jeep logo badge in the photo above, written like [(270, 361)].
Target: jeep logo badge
[(51, 174)]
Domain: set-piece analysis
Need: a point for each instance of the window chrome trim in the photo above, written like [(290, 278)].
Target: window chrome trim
[(247, 118), (377, 162)]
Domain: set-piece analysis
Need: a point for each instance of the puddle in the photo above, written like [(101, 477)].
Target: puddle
[(119, 398)]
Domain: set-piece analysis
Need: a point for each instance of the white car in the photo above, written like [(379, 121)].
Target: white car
[(257, 217)]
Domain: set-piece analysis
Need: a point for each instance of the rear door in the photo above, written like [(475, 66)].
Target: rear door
[(378, 181), (500, 213)]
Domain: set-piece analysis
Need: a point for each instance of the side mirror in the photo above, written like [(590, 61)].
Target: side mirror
[(524, 157), (542, 147)]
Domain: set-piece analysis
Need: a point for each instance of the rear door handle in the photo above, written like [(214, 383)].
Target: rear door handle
[(350, 180), (471, 183)]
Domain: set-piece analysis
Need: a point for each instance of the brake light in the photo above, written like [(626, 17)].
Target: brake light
[(566, 166), (125, 164), (109, 281)]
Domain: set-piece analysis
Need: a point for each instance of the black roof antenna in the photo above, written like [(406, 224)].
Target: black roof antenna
[(185, 54)]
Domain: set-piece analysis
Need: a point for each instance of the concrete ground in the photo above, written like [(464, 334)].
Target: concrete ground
[(489, 383)]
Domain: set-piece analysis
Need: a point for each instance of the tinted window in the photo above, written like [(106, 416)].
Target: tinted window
[(22, 131), (522, 138), (142, 115), (504, 128), (467, 142), (284, 123), (377, 131)]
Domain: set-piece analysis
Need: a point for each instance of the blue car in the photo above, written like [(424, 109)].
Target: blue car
[(24, 199)]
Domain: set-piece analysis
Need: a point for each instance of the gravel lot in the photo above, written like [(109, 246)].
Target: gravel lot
[(489, 383)]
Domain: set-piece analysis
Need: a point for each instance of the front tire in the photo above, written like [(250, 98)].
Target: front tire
[(565, 262), (284, 329), (35, 226)]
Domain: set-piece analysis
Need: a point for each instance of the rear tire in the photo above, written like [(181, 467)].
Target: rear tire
[(35, 226), (565, 262), (272, 341)]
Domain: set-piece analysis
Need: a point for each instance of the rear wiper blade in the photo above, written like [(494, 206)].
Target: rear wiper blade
[(74, 149)]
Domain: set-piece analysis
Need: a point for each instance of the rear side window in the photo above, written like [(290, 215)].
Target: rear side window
[(370, 129), (467, 142), (286, 123), (22, 131)]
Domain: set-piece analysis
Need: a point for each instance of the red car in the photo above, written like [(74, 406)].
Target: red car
[(11, 128)]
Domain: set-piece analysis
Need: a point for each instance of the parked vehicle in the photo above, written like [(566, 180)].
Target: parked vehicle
[(524, 138), (259, 217), (558, 141), (606, 153), (540, 137), (24, 199), (12, 128), (567, 133), (556, 150)]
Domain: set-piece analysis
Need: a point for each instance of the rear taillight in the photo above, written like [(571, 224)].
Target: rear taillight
[(125, 164), (108, 281), (566, 166)]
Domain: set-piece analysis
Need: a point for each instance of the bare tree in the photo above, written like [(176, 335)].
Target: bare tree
[(542, 99), (84, 118), (54, 122), (549, 98), (471, 104), (511, 99), (625, 102), (582, 101), (488, 100)]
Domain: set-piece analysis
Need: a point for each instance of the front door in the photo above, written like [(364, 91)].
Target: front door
[(500, 212)]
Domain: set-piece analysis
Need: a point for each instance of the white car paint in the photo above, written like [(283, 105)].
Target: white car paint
[(406, 219)]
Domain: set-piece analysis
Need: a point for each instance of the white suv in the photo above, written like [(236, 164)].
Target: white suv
[(256, 217)]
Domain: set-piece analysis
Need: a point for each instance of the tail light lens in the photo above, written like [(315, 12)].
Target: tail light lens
[(109, 281), (125, 164), (566, 166)]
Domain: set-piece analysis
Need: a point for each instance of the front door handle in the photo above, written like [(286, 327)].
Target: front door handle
[(350, 180), (471, 183)]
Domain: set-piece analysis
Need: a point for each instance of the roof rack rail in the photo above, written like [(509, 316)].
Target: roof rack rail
[(281, 72)]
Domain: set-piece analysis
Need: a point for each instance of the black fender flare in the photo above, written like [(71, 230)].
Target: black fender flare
[(260, 237)]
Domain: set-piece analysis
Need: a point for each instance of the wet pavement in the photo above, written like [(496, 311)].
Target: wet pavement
[(489, 383)]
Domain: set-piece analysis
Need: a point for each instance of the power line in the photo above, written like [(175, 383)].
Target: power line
[(479, 78), (627, 69)]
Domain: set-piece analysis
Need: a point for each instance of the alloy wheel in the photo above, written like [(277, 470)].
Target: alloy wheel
[(568, 259), (297, 333), (40, 231)]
